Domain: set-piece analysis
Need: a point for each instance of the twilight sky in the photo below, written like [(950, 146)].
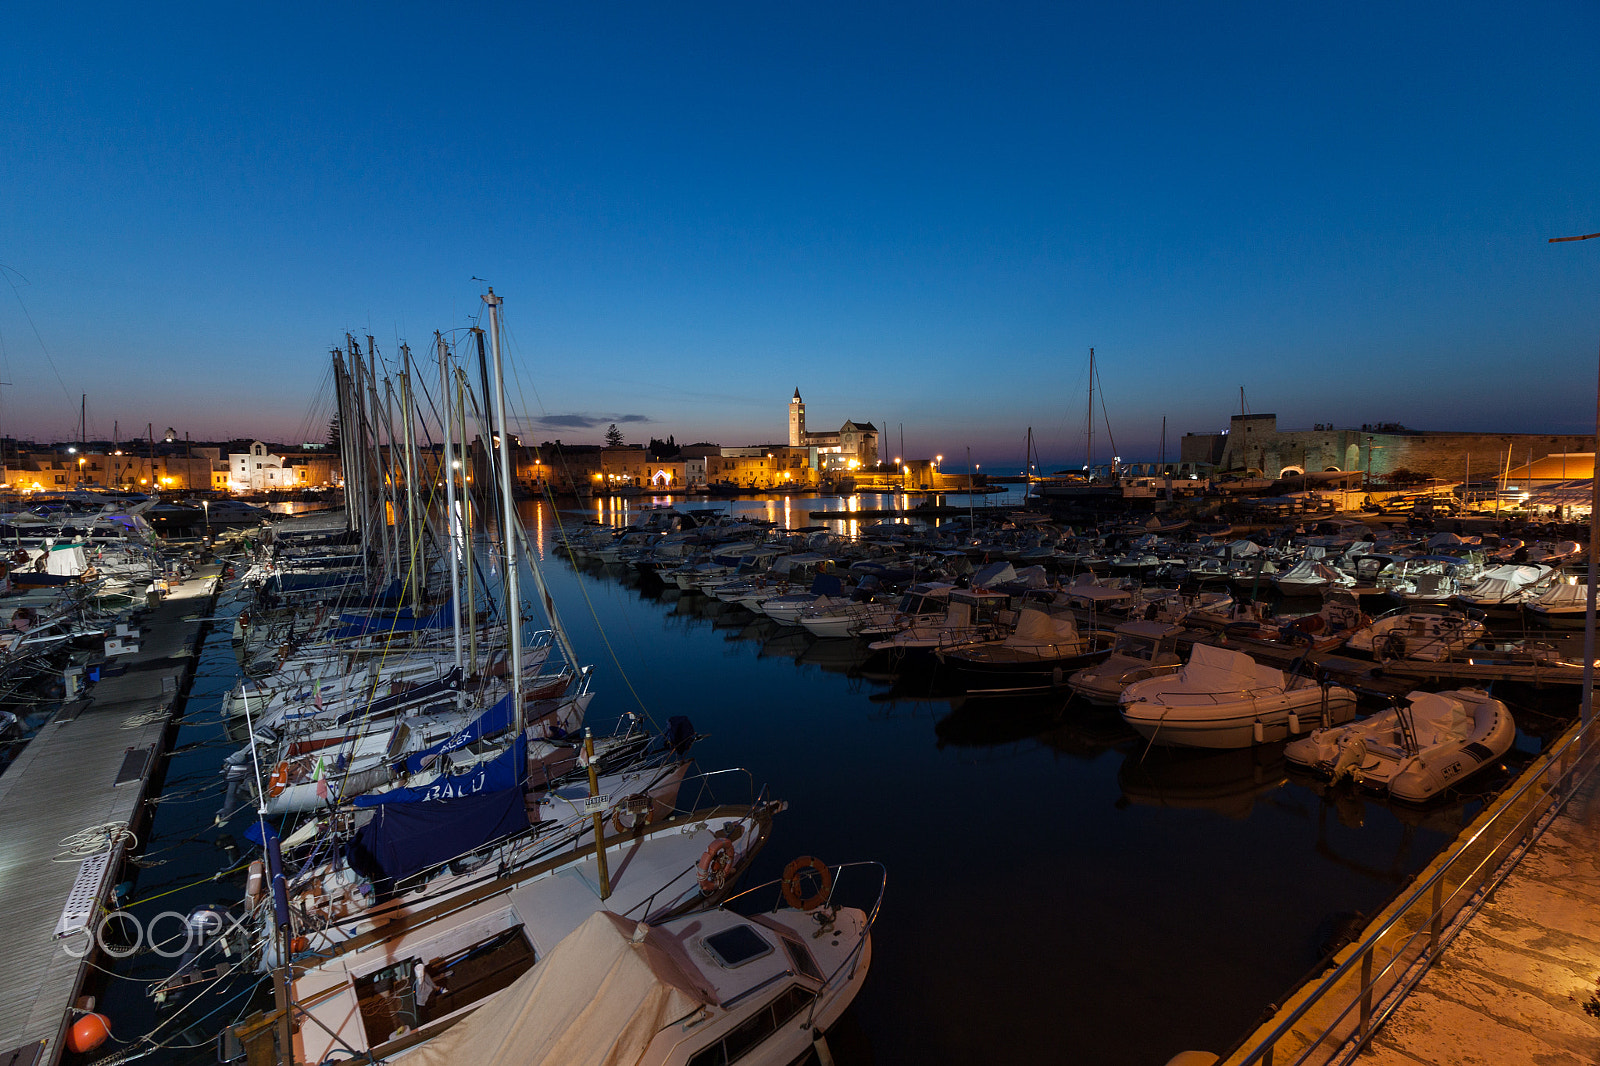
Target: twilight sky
[(923, 215)]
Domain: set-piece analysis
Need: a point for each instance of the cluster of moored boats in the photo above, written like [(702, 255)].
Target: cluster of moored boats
[(453, 850), (1113, 620)]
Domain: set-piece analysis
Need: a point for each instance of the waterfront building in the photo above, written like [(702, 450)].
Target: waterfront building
[(853, 446)]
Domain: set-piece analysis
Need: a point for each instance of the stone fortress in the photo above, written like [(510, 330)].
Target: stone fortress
[(1253, 445)]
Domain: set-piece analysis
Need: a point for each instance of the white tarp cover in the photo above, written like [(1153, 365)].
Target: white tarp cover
[(1516, 574), (1493, 590), (1035, 627), (1243, 549), (1211, 669), (597, 999), (993, 574), (1437, 718), (1033, 577), (1563, 596), (67, 560)]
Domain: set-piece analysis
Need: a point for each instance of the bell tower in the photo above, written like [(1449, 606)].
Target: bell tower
[(797, 420)]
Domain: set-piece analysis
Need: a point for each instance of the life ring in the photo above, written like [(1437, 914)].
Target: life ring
[(279, 779), (791, 883), (632, 813), (714, 865)]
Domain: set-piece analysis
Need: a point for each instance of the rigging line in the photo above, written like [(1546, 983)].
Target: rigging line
[(1110, 437), (6, 272), (599, 627)]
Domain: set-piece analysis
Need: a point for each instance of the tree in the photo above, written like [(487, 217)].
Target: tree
[(614, 437)]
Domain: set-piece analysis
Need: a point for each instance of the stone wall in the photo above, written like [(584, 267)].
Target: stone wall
[(1254, 442)]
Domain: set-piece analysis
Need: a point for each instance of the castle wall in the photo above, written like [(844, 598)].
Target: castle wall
[(1253, 442)]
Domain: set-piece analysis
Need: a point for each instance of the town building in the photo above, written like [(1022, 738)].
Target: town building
[(852, 447)]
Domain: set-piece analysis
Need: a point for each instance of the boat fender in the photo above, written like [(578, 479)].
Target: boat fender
[(1259, 731), (633, 813), (712, 872), (792, 875), (1294, 722), (255, 882)]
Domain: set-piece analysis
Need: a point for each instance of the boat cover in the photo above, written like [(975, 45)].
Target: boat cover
[(993, 574), (1436, 719), (1035, 627), (1211, 669), (407, 838), (496, 719), (356, 625), (598, 999), (504, 771), (1563, 596), (67, 560)]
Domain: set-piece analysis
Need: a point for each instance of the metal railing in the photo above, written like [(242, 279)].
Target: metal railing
[(1332, 1020)]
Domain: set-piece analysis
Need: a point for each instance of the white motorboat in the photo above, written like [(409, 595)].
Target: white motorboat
[(710, 987), (1416, 751), (361, 992), (1142, 649), (1432, 634), (1507, 586), (1562, 605), (1040, 653), (1224, 699)]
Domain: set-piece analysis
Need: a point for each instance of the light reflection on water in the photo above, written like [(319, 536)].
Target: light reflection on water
[(1053, 887)]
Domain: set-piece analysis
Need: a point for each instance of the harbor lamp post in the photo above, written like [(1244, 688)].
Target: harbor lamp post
[(205, 505), (1587, 705)]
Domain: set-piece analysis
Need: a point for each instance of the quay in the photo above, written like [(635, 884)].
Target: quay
[(1491, 955), (87, 771)]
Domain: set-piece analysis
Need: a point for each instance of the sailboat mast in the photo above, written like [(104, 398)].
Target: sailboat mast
[(413, 526), (1088, 450), (466, 519), (447, 468), (508, 513)]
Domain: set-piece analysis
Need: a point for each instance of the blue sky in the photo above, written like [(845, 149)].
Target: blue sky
[(923, 215)]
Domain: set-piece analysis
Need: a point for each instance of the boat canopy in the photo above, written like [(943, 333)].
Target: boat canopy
[(1035, 627), (598, 999), (1211, 669), (403, 839)]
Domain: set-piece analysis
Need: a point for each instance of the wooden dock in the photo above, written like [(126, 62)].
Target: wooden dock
[(90, 765)]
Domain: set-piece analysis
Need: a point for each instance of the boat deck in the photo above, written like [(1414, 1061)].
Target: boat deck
[(90, 765)]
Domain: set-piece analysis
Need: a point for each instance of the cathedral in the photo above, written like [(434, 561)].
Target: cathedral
[(851, 446)]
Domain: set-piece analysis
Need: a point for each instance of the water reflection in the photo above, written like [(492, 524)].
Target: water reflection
[(1048, 875)]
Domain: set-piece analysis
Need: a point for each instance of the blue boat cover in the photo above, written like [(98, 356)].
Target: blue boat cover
[(827, 585), (496, 719), (407, 838), (357, 625), (504, 771)]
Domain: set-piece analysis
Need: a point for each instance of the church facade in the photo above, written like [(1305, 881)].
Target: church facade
[(853, 446)]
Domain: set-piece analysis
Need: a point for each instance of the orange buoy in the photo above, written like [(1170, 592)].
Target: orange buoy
[(299, 944), (714, 865), (88, 1033), (279, 779), (791, 883)]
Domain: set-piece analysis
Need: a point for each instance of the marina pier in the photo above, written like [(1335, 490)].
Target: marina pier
[(71, 807)]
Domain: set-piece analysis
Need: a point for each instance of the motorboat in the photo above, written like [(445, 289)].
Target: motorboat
[(1040, 653), (1223, 698), (1432, 634), (1141, 649), (1415, 751), (1505, 587), (714, 986), (1562, 605)]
